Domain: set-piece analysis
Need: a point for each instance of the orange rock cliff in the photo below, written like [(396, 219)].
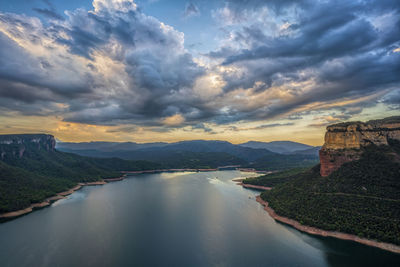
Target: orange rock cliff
[(344, 141)]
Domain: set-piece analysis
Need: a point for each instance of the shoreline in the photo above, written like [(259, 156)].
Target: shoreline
[(50, 200), (251, 186), (222, 168), (109, 180), (169, 170), (316, 231)]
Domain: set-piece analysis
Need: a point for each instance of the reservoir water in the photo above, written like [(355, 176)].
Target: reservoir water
[(171, 219)]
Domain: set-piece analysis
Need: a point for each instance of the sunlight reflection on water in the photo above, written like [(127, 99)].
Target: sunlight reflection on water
[(214, 180), (171, 175)]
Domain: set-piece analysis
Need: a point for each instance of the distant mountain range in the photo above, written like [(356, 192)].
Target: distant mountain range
[(257, 149), (251, 154), (107, 146), (283, 147)]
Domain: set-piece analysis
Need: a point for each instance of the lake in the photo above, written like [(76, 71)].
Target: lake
[(171, 219)]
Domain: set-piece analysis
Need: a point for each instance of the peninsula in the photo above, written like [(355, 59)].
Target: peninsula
[(352, 194)]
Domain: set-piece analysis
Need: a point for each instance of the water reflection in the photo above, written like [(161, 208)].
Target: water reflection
[(171, 175), (171, 219)]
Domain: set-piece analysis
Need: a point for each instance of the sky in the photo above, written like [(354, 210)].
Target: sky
[(158, 70)]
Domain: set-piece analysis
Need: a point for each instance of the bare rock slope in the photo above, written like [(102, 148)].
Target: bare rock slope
[(344, 141)]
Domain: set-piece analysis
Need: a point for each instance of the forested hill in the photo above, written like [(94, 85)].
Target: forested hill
[(362, 197), (356, 187), (32, 170)]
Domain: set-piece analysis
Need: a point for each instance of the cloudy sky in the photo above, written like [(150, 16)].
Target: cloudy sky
[(158, 70)]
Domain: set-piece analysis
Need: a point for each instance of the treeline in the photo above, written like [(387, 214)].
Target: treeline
[(196, 160), (284, 162), (276, 178)]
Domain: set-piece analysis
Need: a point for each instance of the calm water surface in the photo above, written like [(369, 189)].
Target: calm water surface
[(170, 219)]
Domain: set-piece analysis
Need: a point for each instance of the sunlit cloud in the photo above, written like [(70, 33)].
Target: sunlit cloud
[(113, 71), (174, 120)]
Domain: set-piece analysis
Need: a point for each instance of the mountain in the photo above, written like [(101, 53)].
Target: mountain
[(282, 162), (314, 151), (245, 153), (158, 152), (356, 187), (282, 147), (31, 169), (107, 146)]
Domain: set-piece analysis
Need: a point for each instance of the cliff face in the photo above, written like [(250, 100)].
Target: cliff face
[(344, 141), (15, 145)]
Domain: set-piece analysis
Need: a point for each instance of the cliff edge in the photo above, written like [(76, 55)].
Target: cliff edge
[(344, 141), (15, 145)]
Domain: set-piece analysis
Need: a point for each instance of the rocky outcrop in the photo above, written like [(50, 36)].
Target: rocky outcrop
[(344, 141), (16, 145)]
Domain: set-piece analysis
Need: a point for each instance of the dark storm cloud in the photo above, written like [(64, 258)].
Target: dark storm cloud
[(114, 65), (392, 99), (201, 126), (156, 78), (154, 59), (22, 92), (322, 35), (23, 75), (82, 42), (338, 44)]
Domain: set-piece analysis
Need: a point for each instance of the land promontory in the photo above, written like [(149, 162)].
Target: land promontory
[(353, 194)]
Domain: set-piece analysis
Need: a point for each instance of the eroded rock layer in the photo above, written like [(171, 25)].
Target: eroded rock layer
[(15, 145), (344, 141)]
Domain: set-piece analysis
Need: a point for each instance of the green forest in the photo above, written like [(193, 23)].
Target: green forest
[(284, 162), (275, 178), (362, 197), (40, 174)]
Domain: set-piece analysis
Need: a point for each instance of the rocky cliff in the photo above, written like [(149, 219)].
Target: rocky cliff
[(15, 145), (344, 142)]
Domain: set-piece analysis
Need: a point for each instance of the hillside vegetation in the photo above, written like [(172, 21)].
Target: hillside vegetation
[(283, 162), (39, 174), (169, 159), (276, 178), (362, 197)]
